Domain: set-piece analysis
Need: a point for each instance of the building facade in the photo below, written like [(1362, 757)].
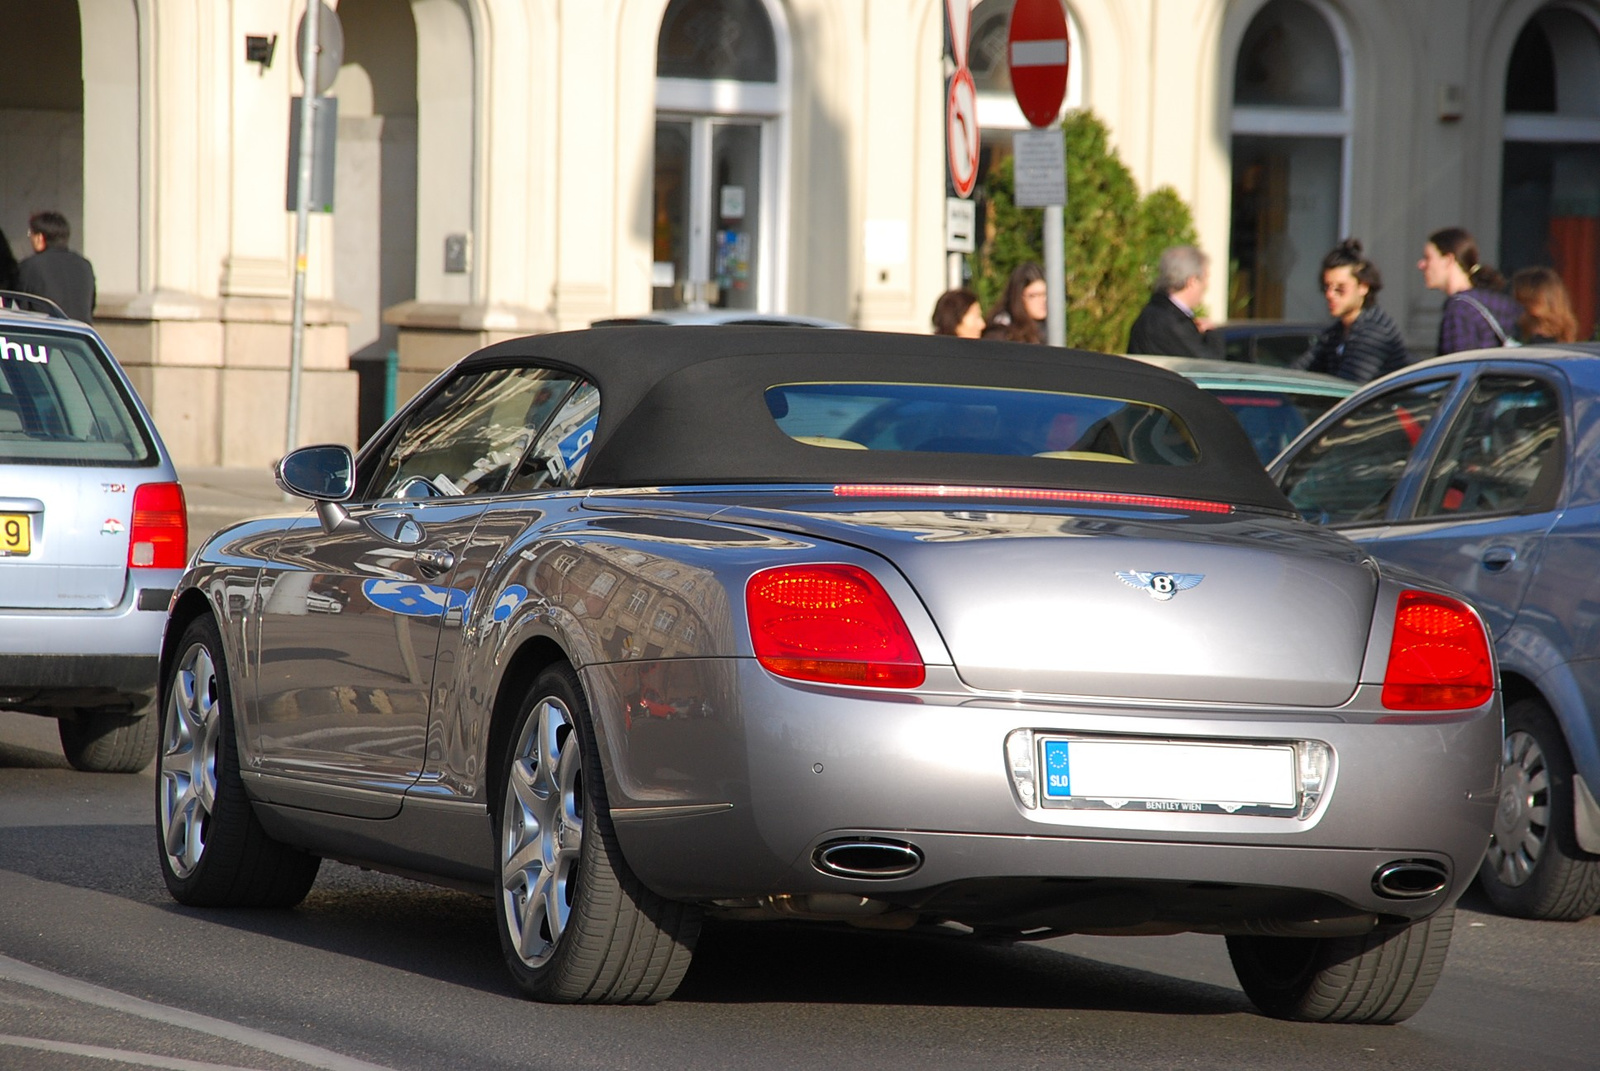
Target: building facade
[(514, 166)]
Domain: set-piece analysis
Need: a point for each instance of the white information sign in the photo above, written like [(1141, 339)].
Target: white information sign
[(960, 225), (1041, 168)]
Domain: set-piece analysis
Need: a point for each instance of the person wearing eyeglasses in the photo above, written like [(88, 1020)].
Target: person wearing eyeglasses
[(1363, 342)]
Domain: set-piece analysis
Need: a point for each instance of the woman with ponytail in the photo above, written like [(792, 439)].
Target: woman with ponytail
[(1477, 313)]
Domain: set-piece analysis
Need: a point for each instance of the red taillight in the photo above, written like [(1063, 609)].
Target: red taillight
[(830, 623), (1439, 657), (159, 538)]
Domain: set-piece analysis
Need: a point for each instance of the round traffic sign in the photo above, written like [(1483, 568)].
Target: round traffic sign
[(1037, 49), (330, 47), (961, 132)]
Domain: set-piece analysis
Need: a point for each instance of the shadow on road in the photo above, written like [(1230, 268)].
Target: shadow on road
[(789, 964), (449, 936)]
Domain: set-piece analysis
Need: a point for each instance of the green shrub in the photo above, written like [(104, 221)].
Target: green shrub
[(1112, 236)]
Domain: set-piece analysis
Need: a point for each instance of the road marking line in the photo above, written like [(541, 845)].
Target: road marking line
[(123, 1056), (87, 993)]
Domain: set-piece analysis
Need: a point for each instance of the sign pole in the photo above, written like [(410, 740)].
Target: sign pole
[(302, 213), (1055, 275)]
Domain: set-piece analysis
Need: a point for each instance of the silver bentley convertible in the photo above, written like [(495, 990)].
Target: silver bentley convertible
[(628, 628)]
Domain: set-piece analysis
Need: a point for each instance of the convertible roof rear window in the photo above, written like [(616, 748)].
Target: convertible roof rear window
[(945, 418), (694, 406)]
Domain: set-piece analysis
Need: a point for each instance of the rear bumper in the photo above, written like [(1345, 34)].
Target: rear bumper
[(55, 661), (60, 684), (734, 803)]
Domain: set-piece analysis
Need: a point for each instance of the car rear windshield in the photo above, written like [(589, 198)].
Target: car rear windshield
[(943, 418), (1272, 418), (60, 404)]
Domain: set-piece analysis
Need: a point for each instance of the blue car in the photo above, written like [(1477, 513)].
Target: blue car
[(1480, 470)]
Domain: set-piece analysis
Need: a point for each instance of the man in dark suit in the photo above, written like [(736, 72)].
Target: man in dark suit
[(1166, 325), (54, 271)]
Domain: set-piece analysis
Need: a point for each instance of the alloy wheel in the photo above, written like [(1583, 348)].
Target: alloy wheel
[(1522, 819), (542, 831), (191, 738)]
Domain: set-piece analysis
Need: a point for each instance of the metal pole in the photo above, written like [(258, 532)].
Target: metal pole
[(302, 214), (1055, 275)]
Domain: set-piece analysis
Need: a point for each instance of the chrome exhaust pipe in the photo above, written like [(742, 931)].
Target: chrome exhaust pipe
[(863, 858), (1410, 879)]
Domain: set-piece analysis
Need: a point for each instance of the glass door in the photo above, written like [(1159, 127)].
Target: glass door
[(669, 270), (707, 235), (736, 206)]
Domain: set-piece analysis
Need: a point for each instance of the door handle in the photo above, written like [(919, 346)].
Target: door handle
[(434, 561), (1496, 559)]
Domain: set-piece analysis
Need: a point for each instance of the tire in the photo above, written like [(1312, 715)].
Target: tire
[(99, 742), (213, 850), (1534, 868), (1380, 977), (576, 926)]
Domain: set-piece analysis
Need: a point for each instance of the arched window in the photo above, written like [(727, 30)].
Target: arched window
[(1550, 186), (721, 96), (1291, 129)]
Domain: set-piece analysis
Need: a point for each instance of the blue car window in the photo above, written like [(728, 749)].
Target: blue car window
[(1349, 473), (1501, 454), (941, 418)]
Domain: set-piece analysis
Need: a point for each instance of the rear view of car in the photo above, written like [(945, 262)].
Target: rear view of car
[(93, 533), (785, 624)]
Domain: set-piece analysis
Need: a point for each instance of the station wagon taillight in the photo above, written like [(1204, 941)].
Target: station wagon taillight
[(159, 536), (1439, 657), (830, 623)]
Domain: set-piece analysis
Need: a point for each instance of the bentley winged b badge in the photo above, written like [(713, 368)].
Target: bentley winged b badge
[(1160, 586)]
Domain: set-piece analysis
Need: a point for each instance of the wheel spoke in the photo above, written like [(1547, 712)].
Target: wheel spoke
[(552, 719)]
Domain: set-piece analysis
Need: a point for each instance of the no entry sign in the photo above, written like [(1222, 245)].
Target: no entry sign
[(1037, 47)]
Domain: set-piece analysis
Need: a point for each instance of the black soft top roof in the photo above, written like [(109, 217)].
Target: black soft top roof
[(687, 406)]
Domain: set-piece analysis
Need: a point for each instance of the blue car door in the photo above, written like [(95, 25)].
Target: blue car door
[(1489, 493)]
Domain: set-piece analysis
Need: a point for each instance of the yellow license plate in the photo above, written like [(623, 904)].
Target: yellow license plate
[(15, 534)]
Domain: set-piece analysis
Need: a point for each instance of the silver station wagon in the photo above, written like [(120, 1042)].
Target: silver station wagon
[(1480, 470), (626, 628), (93, 536)]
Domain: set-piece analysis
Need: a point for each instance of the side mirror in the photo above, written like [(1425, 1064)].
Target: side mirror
[(320, 473)]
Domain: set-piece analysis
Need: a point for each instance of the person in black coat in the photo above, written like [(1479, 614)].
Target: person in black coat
[(1363, 342), (54, 271), (1166, 325)]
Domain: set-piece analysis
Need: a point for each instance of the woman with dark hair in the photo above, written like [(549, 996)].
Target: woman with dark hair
[(1547, 315), (8, 265), (1363, 342), (958, 313), (1020, 313), (1477, 314)]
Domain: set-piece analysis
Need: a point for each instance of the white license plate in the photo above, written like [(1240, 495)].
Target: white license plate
[(1166, 775)]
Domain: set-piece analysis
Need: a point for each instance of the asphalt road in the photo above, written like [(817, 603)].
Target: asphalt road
[(100, 970)]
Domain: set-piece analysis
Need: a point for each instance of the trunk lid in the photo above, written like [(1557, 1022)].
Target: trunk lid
[(1127, 603), (77, 556)]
